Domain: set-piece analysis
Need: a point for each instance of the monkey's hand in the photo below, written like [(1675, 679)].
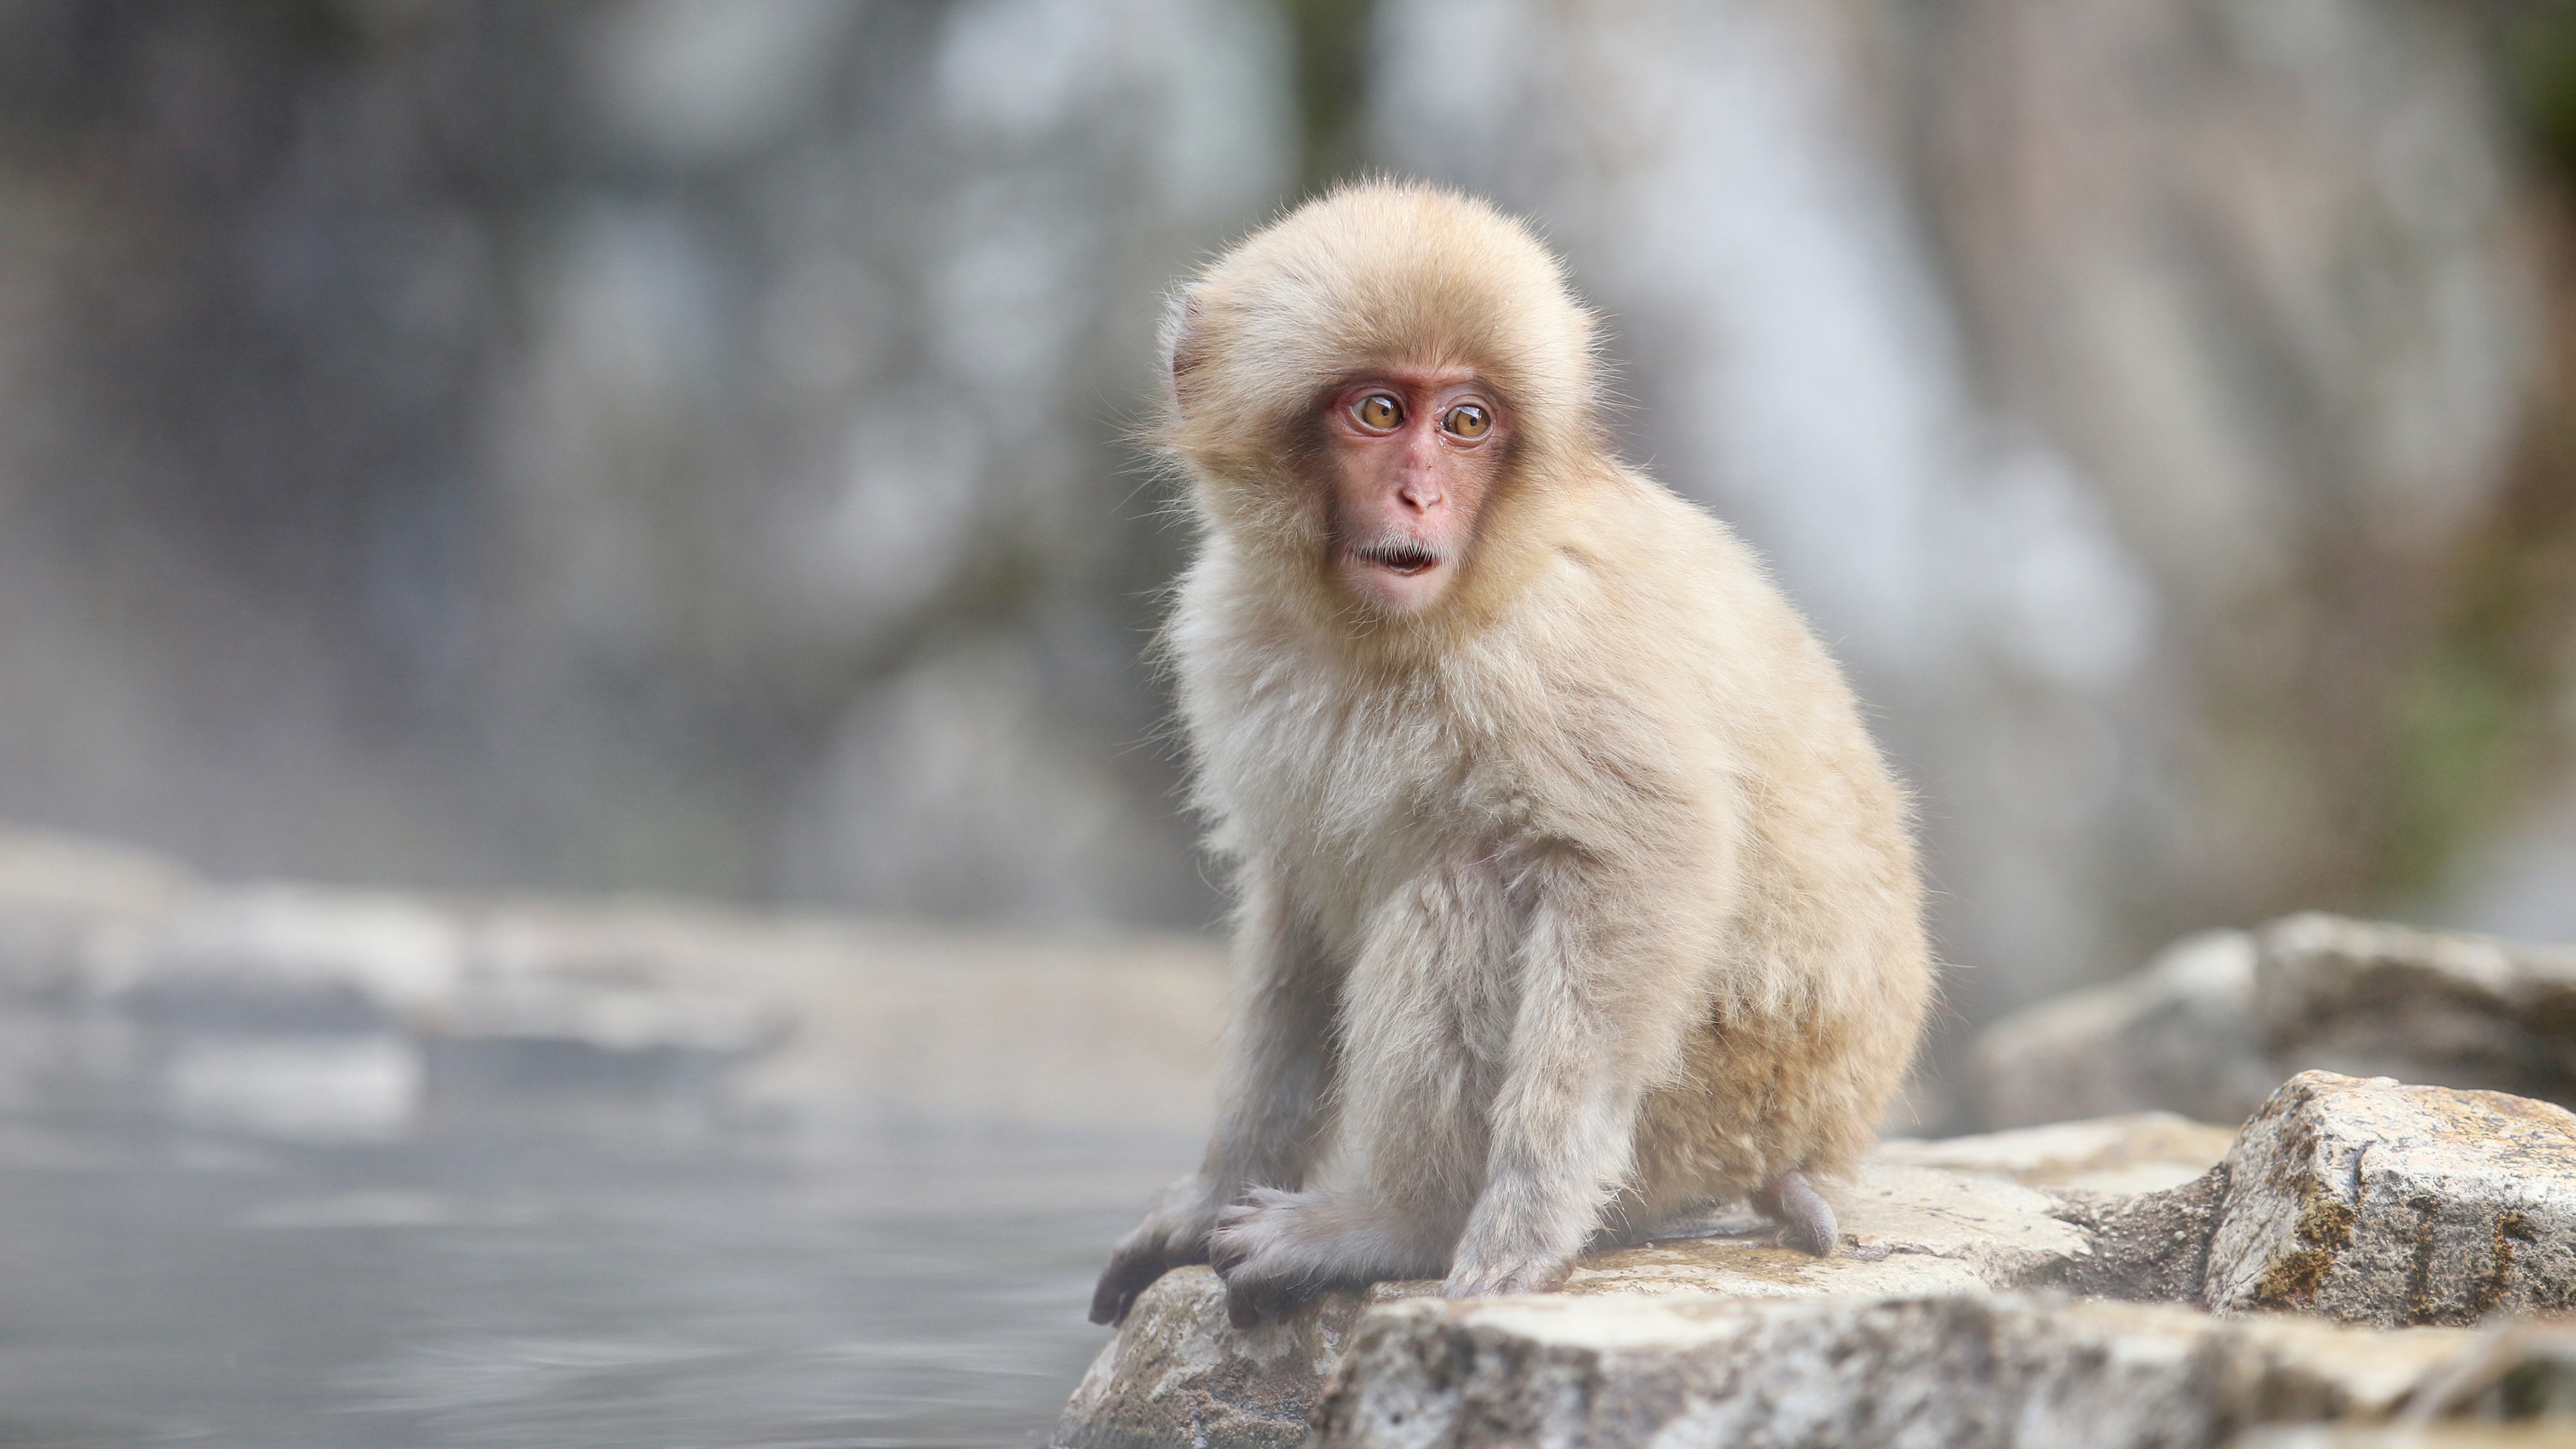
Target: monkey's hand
[(1484, 1280), (1174, 1232)]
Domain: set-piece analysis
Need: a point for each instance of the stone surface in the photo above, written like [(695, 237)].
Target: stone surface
[(309, 1011), (1177, 1374), (1923, 1327), (2373, 1202), (72, 911), (1991, 1369), (2141, 1188), (2514, 1387), (1906, 1229), (2435, 1437), (2519, 1369), (889, 1022), (2367, 999), (277, 957), (2133, 1153), (2179, 1036), (2149, 1247), (2216, 1021), (42, 873)]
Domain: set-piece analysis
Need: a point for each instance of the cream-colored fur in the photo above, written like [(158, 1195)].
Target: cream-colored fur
[(1575, 903)]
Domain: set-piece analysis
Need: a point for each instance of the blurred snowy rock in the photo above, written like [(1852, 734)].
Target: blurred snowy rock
[(2210, 1026)]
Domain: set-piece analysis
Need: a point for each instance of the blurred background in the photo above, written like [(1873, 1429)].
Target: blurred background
[(681, 446), (677, 447)]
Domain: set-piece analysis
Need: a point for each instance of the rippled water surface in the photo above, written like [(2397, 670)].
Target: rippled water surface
[(538, 1270)]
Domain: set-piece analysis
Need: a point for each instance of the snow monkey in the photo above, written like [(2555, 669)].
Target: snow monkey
[(1575, 900)]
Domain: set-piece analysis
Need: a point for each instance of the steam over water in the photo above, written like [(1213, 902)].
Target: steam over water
[(572, 1265), (287, 1165)]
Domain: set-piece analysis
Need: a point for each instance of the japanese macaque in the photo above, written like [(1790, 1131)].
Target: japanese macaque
[(1576, 901)]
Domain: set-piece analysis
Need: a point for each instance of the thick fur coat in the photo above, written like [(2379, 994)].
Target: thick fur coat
[(1572, 906)]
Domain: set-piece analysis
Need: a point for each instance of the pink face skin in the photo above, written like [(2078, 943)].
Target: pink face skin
[(1414, 455)]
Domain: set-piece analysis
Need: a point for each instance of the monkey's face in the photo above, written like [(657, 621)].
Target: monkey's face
[(1413, 454)]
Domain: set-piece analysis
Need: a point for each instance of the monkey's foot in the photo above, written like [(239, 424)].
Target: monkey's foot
[(1256, 1250), (1806, 1219), (1277, 1249), (1538, 1275)]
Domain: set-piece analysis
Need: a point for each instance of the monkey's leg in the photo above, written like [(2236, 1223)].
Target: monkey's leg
[(1423, 1025), (1273, 1106), (1608, 975), (1806, 1219)]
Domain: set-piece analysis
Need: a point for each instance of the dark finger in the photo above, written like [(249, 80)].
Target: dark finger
[(1129, 1273), (1243, 1306)]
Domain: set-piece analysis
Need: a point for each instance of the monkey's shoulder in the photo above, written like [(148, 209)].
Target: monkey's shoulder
[(1643, 586)]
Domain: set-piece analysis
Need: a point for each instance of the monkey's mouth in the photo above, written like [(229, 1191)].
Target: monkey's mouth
[(1406, 559)]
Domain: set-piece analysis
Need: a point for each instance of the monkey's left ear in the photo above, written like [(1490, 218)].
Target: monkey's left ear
[(1189, 348)]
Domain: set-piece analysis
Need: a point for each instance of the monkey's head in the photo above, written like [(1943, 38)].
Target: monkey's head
[(1363, 389)]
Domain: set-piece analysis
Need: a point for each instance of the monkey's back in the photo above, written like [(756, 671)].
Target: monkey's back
[(1817, 1000)]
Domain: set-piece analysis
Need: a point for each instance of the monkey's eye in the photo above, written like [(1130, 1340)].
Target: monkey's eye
[(1467, 421), (1378, 412)]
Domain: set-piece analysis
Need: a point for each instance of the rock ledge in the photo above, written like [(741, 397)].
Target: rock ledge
[(1965, 1308)]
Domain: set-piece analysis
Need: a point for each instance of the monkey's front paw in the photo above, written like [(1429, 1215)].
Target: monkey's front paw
[(1131, 1270), (1175, 1232), (1536, 1275), (1254, 1250)]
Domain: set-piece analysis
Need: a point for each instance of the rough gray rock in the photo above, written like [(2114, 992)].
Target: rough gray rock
[(2514, 1388), (309, 1011), (2373, 1000), (2149, 1247), (2135, 1153), (1981, 1370), (72, 911), (295, 958), (2435, 1437), (1922, 1328), (1176, 1373), (2144, 1189), (2178, 1036), (2216, 1021), (2373, 1202)]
